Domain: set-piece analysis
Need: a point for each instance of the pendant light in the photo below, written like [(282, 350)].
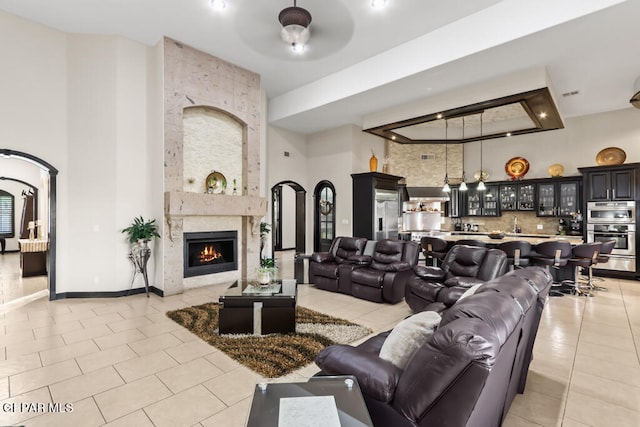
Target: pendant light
[(481, 186), (446, 187), (463, 184)]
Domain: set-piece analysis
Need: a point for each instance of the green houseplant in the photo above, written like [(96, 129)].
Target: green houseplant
[(267, 270), (141, 230)]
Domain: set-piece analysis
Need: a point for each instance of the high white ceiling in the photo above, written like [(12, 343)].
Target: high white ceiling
[(360, 61)]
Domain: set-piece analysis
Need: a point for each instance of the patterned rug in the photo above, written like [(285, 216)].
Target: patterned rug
[(272, 355)]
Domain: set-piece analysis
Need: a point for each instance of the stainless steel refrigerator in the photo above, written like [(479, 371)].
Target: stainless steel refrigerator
[(386, 214)]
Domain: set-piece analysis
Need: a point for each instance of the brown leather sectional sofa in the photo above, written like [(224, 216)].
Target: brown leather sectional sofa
[(464, 374)]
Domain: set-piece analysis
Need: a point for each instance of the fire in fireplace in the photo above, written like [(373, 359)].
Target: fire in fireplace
[(210, 252)]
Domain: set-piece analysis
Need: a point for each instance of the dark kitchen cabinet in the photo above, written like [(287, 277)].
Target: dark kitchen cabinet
[(558, 198), (376, 205), (482, 203), (608, 185), (517, 196)]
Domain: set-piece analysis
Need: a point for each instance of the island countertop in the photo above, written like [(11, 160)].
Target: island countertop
[(534, 239)]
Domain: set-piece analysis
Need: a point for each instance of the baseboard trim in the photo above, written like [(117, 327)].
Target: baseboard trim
[(65, 295)]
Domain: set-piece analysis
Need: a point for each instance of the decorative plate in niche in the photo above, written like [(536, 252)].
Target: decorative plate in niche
[(215, 183)]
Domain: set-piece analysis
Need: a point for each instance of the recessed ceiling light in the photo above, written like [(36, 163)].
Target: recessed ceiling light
[(378, 4), (393, 137), (542, 115), (218, 4), (508, 133), (439, 116)]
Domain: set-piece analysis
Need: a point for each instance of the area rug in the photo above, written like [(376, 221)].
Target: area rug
[(272, 355)]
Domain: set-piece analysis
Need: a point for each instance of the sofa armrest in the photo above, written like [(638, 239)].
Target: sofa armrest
[(377, 378), (397, 266), (433, 273), (463, 281), (359, 260), (322, 257)]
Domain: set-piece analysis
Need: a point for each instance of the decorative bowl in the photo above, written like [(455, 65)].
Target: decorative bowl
[(611, 156), (496, 235)]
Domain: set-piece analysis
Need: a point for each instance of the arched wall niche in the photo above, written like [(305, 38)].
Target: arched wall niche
[(213, 140)]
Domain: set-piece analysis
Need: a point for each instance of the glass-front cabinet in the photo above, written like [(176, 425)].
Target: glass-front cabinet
[(558, 198), (517, 197), (483, 203)]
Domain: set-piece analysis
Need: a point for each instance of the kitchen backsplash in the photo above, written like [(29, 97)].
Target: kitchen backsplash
[(527, 221)]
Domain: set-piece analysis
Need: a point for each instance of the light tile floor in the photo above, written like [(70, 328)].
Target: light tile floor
[(122, 362), (12, 285)]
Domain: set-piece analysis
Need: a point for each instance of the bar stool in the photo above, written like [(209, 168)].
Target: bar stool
[(517, 252), (552, 254), (471, 242), (584, 256), (603, 256), (434, 249)]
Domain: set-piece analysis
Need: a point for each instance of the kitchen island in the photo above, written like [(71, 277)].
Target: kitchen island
[(454, 236)]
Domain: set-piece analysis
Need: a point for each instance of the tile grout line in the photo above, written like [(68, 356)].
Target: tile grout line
[(573, 364)]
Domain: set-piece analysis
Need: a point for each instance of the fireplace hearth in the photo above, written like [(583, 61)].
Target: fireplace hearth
[(210, 252)]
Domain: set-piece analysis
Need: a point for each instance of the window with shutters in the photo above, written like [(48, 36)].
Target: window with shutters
[(7, 220)]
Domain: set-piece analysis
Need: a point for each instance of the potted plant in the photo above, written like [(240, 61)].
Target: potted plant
[(267, 270), (141, 231)]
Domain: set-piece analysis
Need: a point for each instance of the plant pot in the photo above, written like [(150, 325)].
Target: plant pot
[(264, 277)]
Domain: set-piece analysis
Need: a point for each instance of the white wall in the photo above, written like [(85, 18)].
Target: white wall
[(79, 102), (574, 146), (283, 168)]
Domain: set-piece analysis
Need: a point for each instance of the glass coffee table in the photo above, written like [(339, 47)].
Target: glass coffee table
[(249, 308), (323, 400)]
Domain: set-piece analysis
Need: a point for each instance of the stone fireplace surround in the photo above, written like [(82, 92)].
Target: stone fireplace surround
[(193, 78)]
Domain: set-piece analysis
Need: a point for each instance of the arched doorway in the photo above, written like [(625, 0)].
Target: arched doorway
[(324, 216), (53, 173), (288, 222)]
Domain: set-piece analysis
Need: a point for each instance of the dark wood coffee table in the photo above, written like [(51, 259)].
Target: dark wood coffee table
[(246, 308)]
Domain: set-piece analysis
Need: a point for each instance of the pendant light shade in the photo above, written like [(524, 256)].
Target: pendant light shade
[(295, 26)]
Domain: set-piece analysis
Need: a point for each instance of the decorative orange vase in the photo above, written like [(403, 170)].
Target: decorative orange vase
[(373, 163)]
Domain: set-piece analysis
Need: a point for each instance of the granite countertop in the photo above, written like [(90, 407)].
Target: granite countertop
[(534, 239)]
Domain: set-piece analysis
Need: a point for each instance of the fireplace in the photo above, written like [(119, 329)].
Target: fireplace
[(210, 252)]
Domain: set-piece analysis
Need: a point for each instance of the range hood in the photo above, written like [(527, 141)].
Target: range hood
[(426, 193)]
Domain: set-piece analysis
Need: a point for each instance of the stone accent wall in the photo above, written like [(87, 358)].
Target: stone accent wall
[(196, 79), (406, 160), (212, 142)]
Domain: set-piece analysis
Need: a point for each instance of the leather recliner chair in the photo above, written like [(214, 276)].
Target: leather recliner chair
[(382, 276), (462, 267), (324, 266)]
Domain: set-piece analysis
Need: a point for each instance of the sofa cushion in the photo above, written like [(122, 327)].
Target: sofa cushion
[(408, 336)]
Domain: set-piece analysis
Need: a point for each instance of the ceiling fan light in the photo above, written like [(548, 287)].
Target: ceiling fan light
[(218, 4), (378, 4), (295, 27), (295, 35), (635, 100)]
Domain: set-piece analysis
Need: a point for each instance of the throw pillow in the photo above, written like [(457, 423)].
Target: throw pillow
[(408, 336)]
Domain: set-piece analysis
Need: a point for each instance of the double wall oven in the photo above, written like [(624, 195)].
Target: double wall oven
[(614, 221)]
